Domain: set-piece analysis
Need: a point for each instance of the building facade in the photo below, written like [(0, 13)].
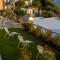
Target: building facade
[(1, 5), (4, 4)]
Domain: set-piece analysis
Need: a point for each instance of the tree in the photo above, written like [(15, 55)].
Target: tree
[(49, 8), (36, 3), (19, 12), (18, 5)]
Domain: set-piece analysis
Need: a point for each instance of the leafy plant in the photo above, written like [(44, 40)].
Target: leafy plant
[(57, 40), (38, 31)]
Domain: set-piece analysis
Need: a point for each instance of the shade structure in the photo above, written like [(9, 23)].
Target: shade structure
[(52, 23)]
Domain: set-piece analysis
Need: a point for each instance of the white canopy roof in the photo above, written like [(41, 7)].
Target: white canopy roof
[(52, 23)]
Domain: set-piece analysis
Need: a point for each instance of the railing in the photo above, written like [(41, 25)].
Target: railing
[(45, 30)]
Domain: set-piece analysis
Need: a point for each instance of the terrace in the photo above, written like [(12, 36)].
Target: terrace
[(9, 49)]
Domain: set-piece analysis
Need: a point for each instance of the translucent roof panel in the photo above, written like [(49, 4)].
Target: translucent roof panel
[(49, 23)]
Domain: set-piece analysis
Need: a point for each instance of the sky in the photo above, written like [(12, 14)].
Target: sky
[(58, 2)]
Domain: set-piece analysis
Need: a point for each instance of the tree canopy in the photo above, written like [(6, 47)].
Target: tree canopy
[(18, 5), (36, 3), (48, 7)]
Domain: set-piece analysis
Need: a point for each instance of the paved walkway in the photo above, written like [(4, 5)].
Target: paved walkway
[(9, 23), (0, 57)]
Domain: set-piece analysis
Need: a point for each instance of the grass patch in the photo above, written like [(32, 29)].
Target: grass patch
[(8, 47)]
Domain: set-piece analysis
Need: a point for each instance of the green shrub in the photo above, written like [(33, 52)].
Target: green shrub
[(29, 27), (57, 40), (48, 13), (24, 54), (49, 35), (47, 55), (38, 31)]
